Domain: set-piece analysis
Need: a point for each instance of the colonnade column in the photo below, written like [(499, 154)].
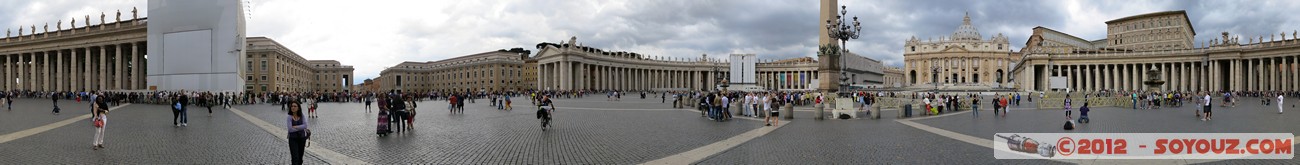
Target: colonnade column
[(541, 76), (1273, 75), (58, 70), (22, 70), (1113, 75), (117, 61), (7, 83), (1194, 77), (1092, 77), (45, 71), (1250, 74), (1138, 71), (1214, 76)]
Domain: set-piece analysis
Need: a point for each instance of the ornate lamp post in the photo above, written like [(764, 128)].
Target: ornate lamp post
[(935, 78), (840, 29)]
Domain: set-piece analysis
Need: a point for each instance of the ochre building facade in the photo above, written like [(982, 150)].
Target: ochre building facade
[(501, 70), (272, 67)]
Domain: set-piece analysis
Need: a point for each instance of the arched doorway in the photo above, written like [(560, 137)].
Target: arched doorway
[(999, 77), (913, 75)]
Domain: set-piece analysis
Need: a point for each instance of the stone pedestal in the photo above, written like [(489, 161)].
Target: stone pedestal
[(820, 108), (875, 111), (787, 111)]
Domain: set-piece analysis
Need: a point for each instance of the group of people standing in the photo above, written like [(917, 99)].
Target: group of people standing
[(718, 106)]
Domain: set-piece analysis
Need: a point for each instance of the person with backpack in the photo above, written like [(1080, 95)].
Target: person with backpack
[(543, 112)]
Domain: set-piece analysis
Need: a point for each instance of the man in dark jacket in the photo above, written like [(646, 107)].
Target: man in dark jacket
[(398, 106)]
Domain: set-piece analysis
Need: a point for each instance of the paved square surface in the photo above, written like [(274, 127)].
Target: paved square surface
[(587, 130)]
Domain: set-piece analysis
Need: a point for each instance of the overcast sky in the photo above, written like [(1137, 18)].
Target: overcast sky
[(371, 35)]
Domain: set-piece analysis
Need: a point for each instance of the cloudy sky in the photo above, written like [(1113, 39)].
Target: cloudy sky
[(371, 35)]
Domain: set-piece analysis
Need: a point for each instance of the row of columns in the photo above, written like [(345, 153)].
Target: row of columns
[(95, 67), (569, 75), (1268, 74), (1254, 74), (1178, 76), (772, 80)]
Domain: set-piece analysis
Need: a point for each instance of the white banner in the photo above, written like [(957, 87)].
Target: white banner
[(1143, 146)]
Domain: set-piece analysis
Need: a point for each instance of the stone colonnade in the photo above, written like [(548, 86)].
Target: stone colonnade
[(106, 66)]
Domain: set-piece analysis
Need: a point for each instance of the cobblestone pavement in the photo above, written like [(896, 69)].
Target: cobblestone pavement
[(587, 130), (144, 134), (857, 141), (485, 135), (1247, 117), (29, 113)]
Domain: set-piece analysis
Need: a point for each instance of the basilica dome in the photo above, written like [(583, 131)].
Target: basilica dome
[(966, 31)]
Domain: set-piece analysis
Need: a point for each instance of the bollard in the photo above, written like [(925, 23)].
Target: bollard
[(820, 107), (787, 111), (875, 111), (738, 108)]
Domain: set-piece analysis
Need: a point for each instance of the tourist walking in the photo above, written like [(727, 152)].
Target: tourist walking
[(298, 132), (1207, 107), (368, 103), (312, 110), (99, 115), (1017, 99), (208, 101), (1279, 103), (996, 109), (55, 99), (9, 102), (975, 106), (1003, 104), (726, 107)]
